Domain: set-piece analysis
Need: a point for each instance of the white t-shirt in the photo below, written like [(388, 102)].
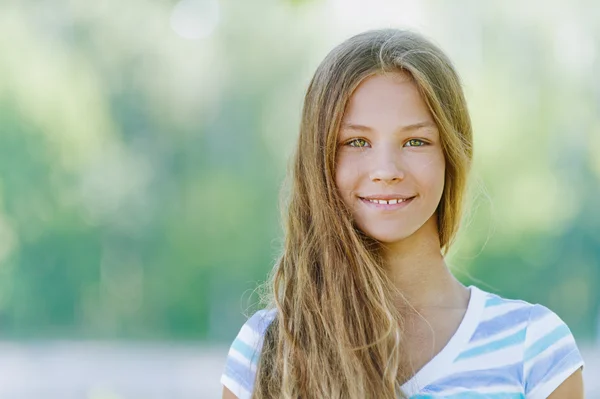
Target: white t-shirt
[(502, 349)]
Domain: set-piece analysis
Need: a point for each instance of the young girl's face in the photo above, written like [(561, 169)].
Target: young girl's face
[(390, 165)]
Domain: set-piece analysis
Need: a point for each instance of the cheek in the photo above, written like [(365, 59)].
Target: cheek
[(430, 173), (346, 175)]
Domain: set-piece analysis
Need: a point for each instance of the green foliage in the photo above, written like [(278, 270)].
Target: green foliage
[(140, 171)]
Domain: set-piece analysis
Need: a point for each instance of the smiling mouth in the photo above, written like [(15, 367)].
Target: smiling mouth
[(391, 203), (387, 202)]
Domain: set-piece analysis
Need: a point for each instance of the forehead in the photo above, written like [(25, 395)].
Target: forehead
[(391, 96)]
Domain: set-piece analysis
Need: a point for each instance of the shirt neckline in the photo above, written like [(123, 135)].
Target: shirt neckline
[(439, 365)]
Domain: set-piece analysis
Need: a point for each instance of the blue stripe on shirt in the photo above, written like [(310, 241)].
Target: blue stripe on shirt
[(546, 341), (548, 368), (513, 339), (501, 323), (472, 395), (240, 373), (510, 375), (261, 320), (494, 300), (247, 351)]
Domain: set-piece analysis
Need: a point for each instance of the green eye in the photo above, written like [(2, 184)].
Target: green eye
[(415, 143), (357, 143)]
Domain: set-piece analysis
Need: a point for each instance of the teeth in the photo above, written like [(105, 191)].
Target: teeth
[(390, 202)]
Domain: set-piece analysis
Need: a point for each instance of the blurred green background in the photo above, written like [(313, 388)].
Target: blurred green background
[(143, 144)]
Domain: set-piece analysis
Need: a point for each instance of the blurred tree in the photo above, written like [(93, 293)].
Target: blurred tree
[(139, 170)]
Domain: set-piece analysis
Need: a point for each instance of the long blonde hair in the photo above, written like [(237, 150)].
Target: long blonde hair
[(338, 332)]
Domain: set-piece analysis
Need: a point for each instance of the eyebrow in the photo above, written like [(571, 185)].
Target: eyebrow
[(414, 126)]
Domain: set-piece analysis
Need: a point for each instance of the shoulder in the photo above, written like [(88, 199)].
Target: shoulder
[(496, 339), (543, 342), (501, 318), (242, 359), (500, 313), (551, 353)]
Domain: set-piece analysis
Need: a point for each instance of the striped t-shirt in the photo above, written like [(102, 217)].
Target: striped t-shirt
[(503, 348)]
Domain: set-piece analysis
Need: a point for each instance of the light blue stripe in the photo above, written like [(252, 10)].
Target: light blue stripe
[(240, 373), (472, 395), (494, 301), (501, 323), (546, 368), (259, 321), (474, 380), (513, 339), (246, 350), (546, 341)]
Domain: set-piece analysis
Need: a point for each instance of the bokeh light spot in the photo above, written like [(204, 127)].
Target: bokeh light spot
[(195, 19)]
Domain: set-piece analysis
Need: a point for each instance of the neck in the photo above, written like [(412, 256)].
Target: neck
[(419, 271)]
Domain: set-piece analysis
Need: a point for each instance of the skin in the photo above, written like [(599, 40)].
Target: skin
[(227, 394), (389, 144), (571, 388)]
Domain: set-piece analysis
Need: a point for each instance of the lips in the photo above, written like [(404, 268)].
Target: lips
[(388, 203), (391, 201)]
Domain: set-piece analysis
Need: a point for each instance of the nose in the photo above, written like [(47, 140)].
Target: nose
[(387, 168)]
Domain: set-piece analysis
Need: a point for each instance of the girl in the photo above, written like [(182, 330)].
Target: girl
[(362, 304)]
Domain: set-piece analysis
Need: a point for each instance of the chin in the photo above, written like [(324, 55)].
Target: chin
[(387, 237)]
